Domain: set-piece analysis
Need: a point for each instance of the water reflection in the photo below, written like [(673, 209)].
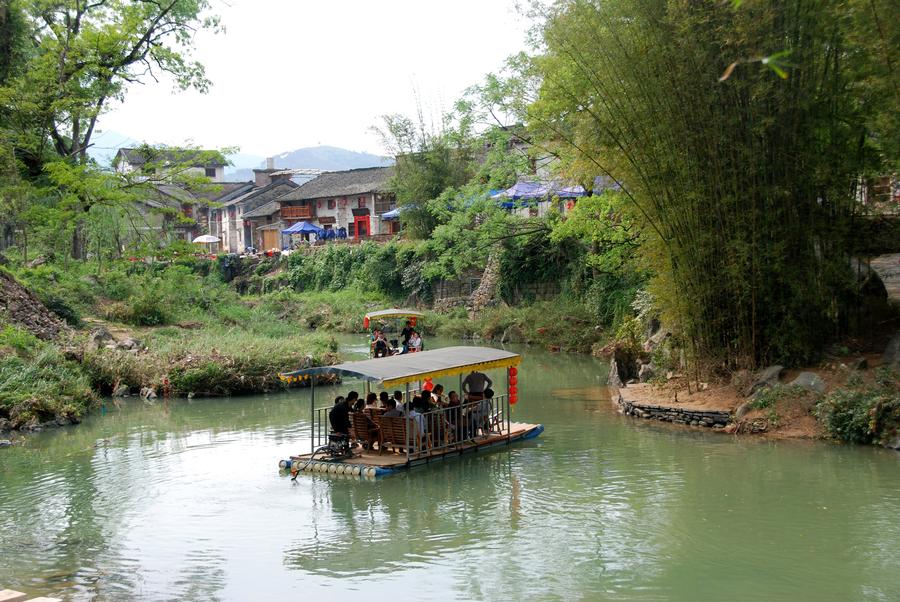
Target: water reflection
[(184, 502)]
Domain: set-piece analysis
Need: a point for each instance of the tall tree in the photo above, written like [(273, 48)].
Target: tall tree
[(738, 131), (83, 55)]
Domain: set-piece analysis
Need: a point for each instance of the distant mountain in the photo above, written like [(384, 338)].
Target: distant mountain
[(328, 158), (105, 145)]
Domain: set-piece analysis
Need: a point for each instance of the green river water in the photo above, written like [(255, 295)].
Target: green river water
[(183, 501)]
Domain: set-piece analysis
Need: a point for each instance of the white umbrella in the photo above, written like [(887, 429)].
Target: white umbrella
[(207, 238)]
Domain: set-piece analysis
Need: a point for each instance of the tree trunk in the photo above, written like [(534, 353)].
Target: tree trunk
[(79, 248)]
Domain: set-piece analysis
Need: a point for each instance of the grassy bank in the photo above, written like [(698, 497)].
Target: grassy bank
[(38, 383), (171, 328), (205, 362)]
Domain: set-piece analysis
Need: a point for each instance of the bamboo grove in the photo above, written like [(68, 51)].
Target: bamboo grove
[(738, 131)]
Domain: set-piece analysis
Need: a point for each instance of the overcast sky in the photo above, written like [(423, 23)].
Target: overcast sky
[(288, 74)]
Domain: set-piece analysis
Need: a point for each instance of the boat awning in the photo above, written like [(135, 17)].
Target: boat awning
[(412, 367), (395, 313)]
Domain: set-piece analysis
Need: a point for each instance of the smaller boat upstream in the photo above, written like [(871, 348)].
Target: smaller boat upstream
[(380, 442)]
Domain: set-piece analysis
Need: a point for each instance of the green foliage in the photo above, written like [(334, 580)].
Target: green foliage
[(426, 163), (740, 189), (863, 413), (768, 398), (37, 383)]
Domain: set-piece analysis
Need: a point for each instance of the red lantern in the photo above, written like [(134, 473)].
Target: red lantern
[(366, 323), (513, 380), (513, 371), (513, 399), (513, 390), (412, 321), (428, 386)]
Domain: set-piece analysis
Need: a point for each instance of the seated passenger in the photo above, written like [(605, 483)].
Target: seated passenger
[(380, 346), (371, 401), (356, 404), (392, 410), (437, 395), (339, 416), (415, 342), (383, 399), (454, 416)]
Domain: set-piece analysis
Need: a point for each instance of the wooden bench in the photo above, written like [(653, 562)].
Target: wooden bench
[(393, 433), (361, 429)]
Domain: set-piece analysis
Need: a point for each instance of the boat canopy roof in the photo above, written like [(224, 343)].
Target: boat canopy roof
[(394, 313), (411, 367)]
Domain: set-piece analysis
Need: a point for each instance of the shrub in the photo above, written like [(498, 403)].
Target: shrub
[(864, 414), (37, 383)]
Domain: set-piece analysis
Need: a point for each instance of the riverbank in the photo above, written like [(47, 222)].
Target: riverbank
[(151, 333), (857, 402)]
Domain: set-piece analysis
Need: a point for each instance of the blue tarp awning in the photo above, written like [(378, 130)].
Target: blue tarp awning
[(539, 190), (391, 215), (303, 228)]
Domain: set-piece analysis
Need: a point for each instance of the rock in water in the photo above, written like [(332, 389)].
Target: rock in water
[(614, 379), (809, 381), (765, 379)]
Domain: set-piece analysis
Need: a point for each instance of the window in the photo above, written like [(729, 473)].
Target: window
[(210, 172), (351, 229), (331, 203), (384, 203), (361, 202)]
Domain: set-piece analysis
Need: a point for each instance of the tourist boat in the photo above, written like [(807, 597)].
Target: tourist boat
[(408, 441), (393, 313)]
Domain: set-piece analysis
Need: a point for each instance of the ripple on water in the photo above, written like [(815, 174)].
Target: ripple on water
[(188, 505)]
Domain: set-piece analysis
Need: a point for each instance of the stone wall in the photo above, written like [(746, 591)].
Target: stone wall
[(709, 419)]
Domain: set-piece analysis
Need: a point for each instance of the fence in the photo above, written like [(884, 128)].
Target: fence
[(441, 430)]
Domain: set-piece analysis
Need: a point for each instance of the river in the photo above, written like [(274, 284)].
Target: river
[(183, 501)]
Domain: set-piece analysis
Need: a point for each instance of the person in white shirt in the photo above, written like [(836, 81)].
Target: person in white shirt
[(415, 342)]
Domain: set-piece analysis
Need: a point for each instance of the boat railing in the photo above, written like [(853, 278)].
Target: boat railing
[(442, 428), (321, 426), (451, 426)]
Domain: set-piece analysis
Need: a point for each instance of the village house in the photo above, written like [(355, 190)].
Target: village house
[(354, 200), (167, 207), (153, 161), (229, 220)]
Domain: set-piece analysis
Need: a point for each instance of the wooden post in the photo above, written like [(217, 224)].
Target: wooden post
[(408, 409), (312, 410)]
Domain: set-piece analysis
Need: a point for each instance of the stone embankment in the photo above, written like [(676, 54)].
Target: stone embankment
[(693, 417)]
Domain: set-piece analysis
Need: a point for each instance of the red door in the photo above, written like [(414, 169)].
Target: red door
[(362, 225)]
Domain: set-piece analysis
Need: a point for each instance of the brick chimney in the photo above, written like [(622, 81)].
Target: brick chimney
[(263, 176)]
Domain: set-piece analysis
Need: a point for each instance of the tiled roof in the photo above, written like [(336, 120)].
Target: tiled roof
[(343, 183), (266, 210), (260, 196)]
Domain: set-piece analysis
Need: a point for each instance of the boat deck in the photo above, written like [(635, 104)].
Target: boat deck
[(372, 463)]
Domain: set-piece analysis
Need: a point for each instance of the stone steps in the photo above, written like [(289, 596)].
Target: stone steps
[(705, 418)]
